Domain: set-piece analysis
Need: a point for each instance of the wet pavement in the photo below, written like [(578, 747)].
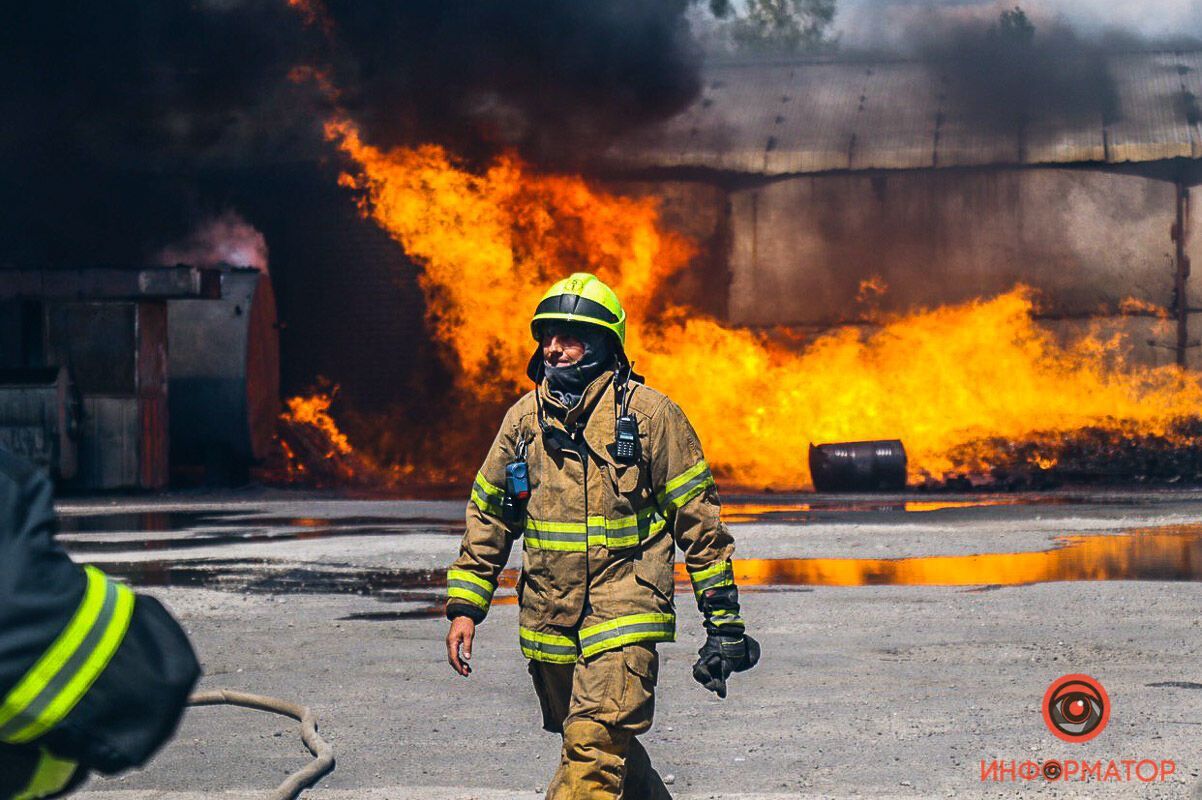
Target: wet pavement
[(906, 638), (169, 537)]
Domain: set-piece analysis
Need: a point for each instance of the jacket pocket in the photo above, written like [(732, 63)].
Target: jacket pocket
[(532, 598), (643, 661), (637, 707), (657, 575), (626, 478)]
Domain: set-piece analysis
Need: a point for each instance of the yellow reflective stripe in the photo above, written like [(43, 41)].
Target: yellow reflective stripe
[(717, 568), (719, 574), (621, 631), (82, 667), (550, 544), (468, 586), (722, 617), (685, 486), (50, 776), (680, 480), (549, 647), (554, 527), (598, 532), (694, 490), (547, 638), (633, 529), (42, 672), (686, 476), (470, 577), (481, 502), (563, 536), (488, 489), (538, 654), (87, 675), (469, 596)]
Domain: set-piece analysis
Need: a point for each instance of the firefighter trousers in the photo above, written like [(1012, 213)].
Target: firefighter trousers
[(599, 706)]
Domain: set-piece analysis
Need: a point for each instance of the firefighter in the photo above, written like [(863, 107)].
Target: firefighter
[(603, 477), (92, 676)]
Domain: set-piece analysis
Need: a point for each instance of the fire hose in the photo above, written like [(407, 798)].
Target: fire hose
[(323, 754)]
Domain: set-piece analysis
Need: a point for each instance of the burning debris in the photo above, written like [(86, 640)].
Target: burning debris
[(1118, 452), (314, 452)]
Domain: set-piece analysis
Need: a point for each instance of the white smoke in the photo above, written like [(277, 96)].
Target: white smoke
[(889, 23), (224, 239)]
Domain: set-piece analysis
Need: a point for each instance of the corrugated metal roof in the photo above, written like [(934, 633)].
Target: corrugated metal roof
[(829, 116)]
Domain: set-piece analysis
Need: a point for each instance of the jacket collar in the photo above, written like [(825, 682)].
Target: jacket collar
[(570, 418), (596, 408)]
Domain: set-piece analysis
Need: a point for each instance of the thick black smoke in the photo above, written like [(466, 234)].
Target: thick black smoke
[(555, 78), (1004, 72), (116, 115), (124, 124)]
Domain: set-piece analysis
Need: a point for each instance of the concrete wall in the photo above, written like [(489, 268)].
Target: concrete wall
[(1085, 239), (700, 212)]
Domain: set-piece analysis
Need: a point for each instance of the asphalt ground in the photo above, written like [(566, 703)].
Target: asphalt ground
[(886, 685)]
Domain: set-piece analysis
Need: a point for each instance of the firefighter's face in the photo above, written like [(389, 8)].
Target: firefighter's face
[(561, 348)]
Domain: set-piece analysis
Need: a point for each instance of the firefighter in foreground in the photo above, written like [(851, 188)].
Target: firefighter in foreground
[(92, 676), (603, 476)]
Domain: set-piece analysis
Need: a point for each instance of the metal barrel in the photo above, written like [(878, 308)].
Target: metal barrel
[(225, 373), (878, 466)]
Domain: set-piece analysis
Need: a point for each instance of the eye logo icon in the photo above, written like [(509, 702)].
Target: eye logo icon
[(1076, 708)]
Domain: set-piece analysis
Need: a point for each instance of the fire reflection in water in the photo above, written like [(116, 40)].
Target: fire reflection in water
[(1157, 554), (744, 511)]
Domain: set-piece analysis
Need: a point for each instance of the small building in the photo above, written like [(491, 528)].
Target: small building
[(114, 378), (103, 332)]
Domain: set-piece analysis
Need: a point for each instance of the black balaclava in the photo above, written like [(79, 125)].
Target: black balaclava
[(567, 384)]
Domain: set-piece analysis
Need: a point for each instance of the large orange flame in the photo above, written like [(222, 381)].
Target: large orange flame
[(490, 242)]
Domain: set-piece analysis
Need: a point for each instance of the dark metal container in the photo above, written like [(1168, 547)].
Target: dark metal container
[(39, 418), (878, 466), (107, 328), (225, 375)]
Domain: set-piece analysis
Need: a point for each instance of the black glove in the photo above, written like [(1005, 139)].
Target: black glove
[(722, 654)]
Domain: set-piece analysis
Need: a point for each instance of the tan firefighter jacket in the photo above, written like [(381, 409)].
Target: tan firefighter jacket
[(597, 563)]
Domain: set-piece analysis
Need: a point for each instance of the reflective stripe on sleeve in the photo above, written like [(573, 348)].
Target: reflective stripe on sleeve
[(627, 630), (685, 486), (548, 647), (69, 667), (465, 585), (50, 776), (720, 574), (486, 496)]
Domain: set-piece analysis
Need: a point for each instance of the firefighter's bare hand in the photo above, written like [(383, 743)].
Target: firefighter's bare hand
[(459, 645)]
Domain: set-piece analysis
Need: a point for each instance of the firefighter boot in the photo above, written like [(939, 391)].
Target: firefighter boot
[(642, 781)]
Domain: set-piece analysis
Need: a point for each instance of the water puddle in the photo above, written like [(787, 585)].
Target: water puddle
[(182, 530), (740, 511), (1155, 554)]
